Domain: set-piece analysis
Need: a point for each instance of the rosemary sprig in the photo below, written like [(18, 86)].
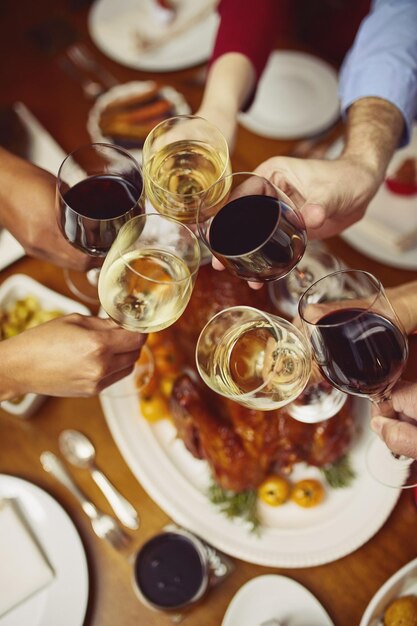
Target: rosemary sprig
[(340, 474), (242, 505)]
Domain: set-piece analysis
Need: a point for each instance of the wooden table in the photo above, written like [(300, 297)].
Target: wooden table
[(345, 586)]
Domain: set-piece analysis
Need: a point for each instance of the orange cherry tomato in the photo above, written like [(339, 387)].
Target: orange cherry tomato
[(154, 408), (274, 490), (308, 493)]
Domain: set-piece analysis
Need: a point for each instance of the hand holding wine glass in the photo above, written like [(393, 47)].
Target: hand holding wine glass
[(360, 346)]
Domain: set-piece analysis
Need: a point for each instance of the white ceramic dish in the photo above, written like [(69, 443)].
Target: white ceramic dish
[(275, 597), (296, 97), (132, 88), (64, 601), (290, 537), (19, 286), (402, 583), (114, 28)]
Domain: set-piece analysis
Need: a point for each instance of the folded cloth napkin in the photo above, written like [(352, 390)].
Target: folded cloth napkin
[(24, 569)]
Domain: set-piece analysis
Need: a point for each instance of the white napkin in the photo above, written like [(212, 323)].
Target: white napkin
[(24, 569)]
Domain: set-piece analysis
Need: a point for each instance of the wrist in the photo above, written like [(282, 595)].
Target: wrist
[(374, 128), (10, 384)]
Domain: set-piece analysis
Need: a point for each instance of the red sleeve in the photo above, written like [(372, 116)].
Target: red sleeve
[(250, 28)]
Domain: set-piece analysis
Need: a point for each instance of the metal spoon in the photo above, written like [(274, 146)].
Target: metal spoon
[(78, 450)]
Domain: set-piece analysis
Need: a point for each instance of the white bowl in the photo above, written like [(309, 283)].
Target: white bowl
[(403, 582), (20, 286)]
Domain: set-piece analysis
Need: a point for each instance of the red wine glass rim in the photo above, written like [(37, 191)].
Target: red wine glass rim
[(113, 148), (379, 290), (287, 201)]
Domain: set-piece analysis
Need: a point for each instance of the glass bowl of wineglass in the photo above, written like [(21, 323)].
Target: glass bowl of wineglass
[(361, 348), (149, 273), (182, 157), (252, 227), (256, 359), (99, 188), (316, 263)]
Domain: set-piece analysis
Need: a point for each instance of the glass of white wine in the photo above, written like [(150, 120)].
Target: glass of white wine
[(256, 359), (182, 157), (149, 273)]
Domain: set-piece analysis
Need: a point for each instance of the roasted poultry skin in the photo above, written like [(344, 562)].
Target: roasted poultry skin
[(242, 445)]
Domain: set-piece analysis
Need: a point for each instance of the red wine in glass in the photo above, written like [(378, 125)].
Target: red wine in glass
[(255, 230), (361, 352), (94, 209)]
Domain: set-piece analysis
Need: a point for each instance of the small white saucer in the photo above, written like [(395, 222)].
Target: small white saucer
[(275, 597)]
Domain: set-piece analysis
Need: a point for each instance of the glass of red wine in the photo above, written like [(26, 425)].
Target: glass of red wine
[(251, 227), (99, 188), (361, 348)]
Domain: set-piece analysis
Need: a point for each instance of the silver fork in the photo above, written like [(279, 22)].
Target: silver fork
[(103, 525)]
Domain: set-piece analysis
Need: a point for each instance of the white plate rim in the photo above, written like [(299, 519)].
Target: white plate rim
[(300, 61), (143, 453), (281, 584), (69, 575), (384, 591), (165, 60)]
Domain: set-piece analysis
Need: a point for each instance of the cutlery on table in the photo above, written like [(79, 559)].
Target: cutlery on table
[(78, 450), (80, 55), (91, 88), (103, 525)]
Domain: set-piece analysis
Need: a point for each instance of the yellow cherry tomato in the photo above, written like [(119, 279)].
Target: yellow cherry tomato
[(154, 408), (308, 493), (274, 490)]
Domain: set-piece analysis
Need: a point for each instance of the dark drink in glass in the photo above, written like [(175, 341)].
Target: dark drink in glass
[(359, 351), (255, 230), (170, 570), (94, 209)]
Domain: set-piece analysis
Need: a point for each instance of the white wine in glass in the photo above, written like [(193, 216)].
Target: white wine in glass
[(182, 157), (149, 273), (259, 360)]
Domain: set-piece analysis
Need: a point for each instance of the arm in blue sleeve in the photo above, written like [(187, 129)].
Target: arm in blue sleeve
[(382, 62)]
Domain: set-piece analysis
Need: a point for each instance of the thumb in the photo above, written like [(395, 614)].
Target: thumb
[(314, 214), (400, 437)]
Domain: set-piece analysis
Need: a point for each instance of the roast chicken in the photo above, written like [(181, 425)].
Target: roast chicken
[(243, 445)]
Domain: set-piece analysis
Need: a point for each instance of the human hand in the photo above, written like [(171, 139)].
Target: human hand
[(73, 355), (27, 210), (331, 195), (400, 436)]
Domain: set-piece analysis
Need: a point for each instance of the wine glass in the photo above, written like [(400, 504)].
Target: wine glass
[(361, 348), (182, 157), (316, 263), (252, 227), (149, 273), (256, 359), (99, 188)]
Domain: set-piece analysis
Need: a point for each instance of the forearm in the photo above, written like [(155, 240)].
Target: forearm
[(374, 128), (230, 81), (10, 386)]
